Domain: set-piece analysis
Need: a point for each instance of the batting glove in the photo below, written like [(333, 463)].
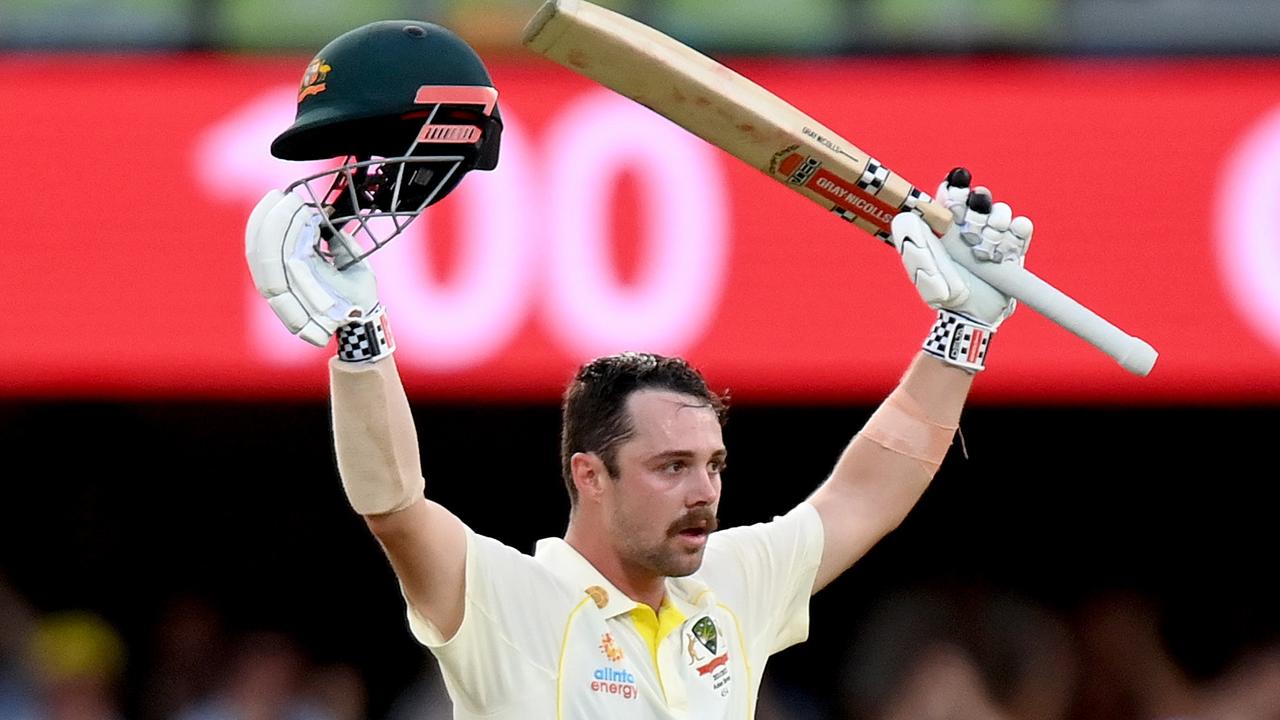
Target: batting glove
[(304, 287), (969, 310)]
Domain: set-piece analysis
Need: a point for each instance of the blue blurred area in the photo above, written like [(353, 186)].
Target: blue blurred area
[(743, 26)]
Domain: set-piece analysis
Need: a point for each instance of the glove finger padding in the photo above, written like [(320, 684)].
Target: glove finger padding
[(1023, 228), (309, 295), (264, 258), (984, 302), (954, 198)]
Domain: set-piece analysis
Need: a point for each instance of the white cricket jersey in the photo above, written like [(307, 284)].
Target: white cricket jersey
[(549, 638)]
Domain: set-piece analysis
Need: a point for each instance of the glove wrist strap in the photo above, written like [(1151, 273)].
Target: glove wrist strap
[(960, 340), (367, 340)]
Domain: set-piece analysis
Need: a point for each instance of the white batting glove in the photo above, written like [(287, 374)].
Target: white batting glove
[(306, 291), (970, 310)]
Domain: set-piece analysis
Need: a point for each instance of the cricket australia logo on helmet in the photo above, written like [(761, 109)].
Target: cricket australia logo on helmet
[(410, 108), (313, 79)]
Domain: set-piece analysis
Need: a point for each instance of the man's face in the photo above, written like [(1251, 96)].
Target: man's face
[(662, 506)]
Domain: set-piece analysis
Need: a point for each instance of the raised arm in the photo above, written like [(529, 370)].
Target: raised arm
[(886, 468), (377, 450), (374, 435)]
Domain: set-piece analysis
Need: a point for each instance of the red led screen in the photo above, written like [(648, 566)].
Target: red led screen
[(1154, 187)]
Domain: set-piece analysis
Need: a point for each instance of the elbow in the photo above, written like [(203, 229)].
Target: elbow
[(395, 523), (373, 491)]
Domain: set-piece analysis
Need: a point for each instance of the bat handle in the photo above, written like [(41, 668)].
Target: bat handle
[(1133, 354)]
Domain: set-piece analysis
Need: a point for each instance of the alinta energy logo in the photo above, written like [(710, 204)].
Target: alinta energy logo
[(614, 681), (1247, 227), (611, 680)]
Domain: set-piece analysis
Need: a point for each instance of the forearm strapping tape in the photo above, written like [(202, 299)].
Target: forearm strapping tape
[(374, 436), (902, 425)]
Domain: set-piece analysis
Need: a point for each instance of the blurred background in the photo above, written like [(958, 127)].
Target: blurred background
[(174, 542)]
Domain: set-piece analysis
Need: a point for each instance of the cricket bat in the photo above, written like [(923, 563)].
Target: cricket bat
[(773, 136)]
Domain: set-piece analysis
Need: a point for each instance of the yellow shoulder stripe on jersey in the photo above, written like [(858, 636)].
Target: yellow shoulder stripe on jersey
[(564, 648)]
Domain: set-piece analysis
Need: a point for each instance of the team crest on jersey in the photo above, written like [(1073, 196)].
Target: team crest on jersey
[(313, 80), (706, 633), (708, 654)]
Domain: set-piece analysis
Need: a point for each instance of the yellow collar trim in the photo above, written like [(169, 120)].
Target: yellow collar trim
[(653, 627)]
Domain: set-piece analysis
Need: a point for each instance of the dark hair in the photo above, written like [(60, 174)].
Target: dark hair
[(594, 414)]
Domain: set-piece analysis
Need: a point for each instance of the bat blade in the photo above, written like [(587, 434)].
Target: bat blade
[(749, 122), (727, 110)]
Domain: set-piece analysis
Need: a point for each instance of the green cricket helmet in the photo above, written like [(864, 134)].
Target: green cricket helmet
[(411, 108)]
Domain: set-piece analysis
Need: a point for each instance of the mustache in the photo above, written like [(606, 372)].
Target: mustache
[(703, 518)]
